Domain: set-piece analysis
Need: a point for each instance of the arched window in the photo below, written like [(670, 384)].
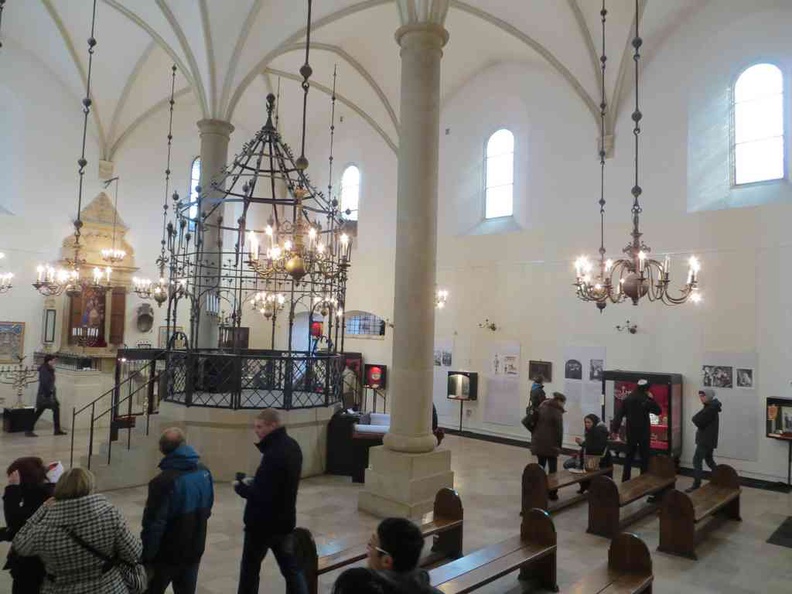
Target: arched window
[(350, 192), (499, 171), (758, 151), (195, 181)]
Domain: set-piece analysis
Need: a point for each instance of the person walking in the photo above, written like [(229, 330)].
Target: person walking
[(271, 508), (46, 396), (178, 507), (548, 435), (27, 490), (636, 408), (83, 541), (707, 422)]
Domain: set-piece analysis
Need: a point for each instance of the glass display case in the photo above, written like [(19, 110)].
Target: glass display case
[(666, 389), (779, 418)]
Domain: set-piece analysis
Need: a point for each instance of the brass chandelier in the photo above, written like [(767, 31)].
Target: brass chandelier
[(636, 275)]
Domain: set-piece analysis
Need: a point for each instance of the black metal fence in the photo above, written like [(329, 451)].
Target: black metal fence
[(252, 379)]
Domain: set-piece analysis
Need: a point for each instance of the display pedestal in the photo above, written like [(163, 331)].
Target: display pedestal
[(404, 485), (18, 419)]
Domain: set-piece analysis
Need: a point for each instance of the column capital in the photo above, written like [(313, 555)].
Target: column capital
[(220, 127), (412, 12), (428, 35)]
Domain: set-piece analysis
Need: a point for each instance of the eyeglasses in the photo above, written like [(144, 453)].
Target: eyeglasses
[(381, 552)]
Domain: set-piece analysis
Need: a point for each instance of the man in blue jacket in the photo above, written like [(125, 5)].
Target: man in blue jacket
[(179, 503), (271, 508)]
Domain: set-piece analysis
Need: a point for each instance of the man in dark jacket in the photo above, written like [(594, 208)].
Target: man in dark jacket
[(45, 397), (636, 408), (393, 554), (707, 422), (179, 503), (537, 395), (271, 509)]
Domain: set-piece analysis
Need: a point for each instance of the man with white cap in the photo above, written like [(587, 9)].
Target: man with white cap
[(636, 408)]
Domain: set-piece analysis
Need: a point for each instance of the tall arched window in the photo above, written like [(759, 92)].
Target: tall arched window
[(350, 192), (758, 152), (195, 181), (499, 171)]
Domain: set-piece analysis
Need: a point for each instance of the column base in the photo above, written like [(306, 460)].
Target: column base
[(404, 485)]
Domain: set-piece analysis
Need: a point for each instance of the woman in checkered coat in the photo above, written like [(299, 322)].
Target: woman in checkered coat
[(83, 540)]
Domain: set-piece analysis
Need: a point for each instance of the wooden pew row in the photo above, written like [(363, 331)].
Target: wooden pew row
[(629, 569), (680, 512), (536, 486), (446, 527), (606, 498), (533, 552)]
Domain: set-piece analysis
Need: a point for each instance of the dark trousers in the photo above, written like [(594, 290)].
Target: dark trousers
[(55, 415), (255, 549), (184, 578), (550, 461), (703, 454), (640, 447)]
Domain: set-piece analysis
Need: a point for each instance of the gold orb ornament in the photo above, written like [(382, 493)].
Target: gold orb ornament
[(295, 266)]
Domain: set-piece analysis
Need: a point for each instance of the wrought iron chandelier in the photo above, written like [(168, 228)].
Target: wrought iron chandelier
[(636, 275), (161, 290), (51, 281), (113, 255)]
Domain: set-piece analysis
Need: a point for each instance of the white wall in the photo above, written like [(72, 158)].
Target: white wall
[(522, 279)]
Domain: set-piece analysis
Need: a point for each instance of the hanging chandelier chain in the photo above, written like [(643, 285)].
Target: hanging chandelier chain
[(305, 72), (2, 5), (82, 162), (332, 134), (171, 103), (602, 153), (637, 116)]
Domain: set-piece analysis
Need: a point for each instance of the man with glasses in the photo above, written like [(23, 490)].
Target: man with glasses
[(393, 554)]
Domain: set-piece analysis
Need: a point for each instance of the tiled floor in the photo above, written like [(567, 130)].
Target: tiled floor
[(734, 557)]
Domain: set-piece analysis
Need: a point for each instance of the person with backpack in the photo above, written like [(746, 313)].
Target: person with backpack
[(535, 399)]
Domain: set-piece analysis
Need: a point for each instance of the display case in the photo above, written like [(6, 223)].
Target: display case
[(779, 418), (666, 389), (462, 385)]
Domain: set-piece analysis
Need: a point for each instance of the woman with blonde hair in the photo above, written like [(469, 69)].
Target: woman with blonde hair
[(83, 541)]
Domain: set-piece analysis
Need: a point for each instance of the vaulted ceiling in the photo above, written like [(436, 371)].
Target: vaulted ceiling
[(230, 52)]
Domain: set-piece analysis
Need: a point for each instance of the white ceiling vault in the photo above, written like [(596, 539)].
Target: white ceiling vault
[(225, 49)]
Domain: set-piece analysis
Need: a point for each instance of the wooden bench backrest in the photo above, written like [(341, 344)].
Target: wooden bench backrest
[(629, 554), (662, 466), (537, 528), (725, 476), (533, 477), (448, 505)]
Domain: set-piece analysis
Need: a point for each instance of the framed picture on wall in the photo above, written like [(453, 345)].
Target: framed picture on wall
[(162, 338), (543, 368), (12, 341), (50, 316)]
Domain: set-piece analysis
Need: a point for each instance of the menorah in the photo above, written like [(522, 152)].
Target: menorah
[(85, 336), (18, 376)]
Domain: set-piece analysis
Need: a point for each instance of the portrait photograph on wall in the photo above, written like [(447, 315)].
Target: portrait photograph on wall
[(745, 378), (573, 370), (12, 341), (717, 376), (595, 370)]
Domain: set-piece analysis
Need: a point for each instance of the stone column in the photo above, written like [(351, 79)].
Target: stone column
[(407, 471), (215, 135)]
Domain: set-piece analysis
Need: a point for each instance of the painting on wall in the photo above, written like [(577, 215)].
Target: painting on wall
[(717, 376), (12, 341), (543, 368), (162, 340)]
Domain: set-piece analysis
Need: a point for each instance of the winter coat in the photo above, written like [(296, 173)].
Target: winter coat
[(595, 441), (707, 422), (272, 496), (548, 435), (20, 502), (70, 568), (636, 408), (45, 397), (179, 503), (358, 579), (537, 395)]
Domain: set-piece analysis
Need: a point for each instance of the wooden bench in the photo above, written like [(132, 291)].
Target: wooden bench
[(680, 512), (606, 498), (536, 486), (446, 527), (533, 552), (629, 569)]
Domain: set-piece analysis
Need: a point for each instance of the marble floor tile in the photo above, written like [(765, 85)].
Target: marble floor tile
[(734, 558)]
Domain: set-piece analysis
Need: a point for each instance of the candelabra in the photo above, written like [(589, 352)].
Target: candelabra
[(268, 304), (19, 377), (85, 336)]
